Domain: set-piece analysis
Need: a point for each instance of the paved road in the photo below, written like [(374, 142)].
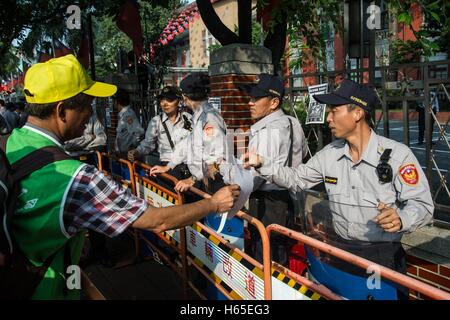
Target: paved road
[(441, 153)]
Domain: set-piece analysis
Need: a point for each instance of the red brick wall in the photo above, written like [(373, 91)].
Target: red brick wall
[(404, 32), (308, 66), (338, 52), (234, 104), (436, 275)]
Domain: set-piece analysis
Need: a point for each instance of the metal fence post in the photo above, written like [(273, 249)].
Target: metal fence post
[(384, 105), (428, 133), (405, 111)]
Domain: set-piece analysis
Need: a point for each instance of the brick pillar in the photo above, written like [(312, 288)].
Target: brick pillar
[(231, 66)]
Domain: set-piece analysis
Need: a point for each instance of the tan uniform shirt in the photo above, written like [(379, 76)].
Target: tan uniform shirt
[(354, 190), (205, 145)]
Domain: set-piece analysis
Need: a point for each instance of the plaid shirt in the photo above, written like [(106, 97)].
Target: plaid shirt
[(96, 202)]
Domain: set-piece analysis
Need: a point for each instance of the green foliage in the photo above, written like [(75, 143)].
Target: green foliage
[(433, 36), (257, 33), (8, 63), (405, 51), (35, 24), (308, 26), (108, 42)]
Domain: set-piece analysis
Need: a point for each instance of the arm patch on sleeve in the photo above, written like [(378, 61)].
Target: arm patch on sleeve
[(209, 130), (409, 174)]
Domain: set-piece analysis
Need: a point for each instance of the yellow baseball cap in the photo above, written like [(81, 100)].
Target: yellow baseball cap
[(62, 78)]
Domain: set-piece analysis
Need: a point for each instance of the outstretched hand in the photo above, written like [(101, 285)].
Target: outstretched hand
[(225, 197)]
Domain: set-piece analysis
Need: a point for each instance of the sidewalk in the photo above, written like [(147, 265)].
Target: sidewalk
[(413, 115), (147, 280)]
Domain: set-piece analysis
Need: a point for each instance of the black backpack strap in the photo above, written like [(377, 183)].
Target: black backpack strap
[(291, 133), (36, 160), (168, 134), (19, 170), (3, 140)]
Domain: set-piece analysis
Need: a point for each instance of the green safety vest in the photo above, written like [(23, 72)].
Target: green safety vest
[(38, 225)]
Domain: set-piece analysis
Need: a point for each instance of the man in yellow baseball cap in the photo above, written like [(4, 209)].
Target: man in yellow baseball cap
[(59, 94), (60, 79), (62, 199)]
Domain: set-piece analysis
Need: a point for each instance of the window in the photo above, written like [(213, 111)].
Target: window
[(208, 41)]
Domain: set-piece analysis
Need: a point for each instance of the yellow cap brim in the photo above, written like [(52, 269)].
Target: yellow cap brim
[(101, 90)]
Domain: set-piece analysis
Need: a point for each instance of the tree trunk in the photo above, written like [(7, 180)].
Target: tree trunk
[(245, 21), (276, 42), (215, 25)]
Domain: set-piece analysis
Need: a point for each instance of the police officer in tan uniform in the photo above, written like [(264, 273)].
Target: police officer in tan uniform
[(376, 185), (129, 130), (205, 147), (279, 137), (165, 131)]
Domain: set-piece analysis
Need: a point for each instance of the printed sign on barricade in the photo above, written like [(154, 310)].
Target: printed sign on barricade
[(240, 278)]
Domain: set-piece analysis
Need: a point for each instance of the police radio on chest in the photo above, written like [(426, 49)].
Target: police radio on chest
[(384, 169)]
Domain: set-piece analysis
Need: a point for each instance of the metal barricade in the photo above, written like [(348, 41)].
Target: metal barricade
[(339, 243), (109, 169), (386, 273), (261, 271), (144, 187), (197, 244), (232, 271)]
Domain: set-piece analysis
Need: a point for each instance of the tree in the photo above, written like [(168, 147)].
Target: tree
[(299, 19), (109, 40), (35, 24), (433, 37)]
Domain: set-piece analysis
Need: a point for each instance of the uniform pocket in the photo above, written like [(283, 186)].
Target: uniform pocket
[(370, 199), (334, 190)]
